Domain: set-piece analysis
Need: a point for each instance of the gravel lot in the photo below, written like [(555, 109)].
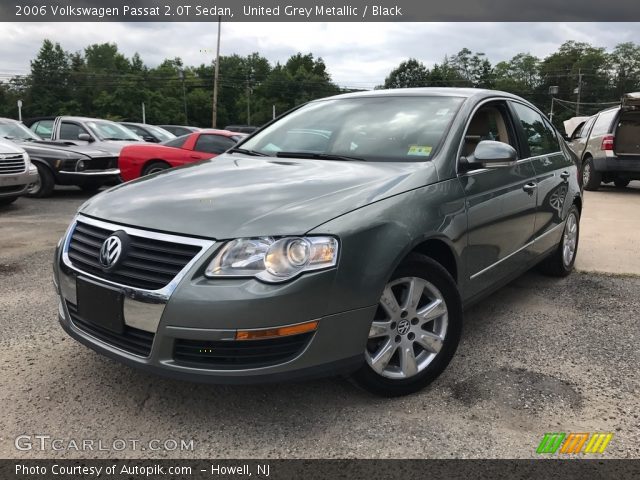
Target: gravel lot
[(541, 355)]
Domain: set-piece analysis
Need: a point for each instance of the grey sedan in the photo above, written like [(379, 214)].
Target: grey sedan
[(346, 237)]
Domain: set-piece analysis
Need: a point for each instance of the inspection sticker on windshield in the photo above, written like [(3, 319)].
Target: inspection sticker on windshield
[(420, 150)]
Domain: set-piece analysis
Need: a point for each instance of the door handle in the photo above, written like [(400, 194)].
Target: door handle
[(565, 175), (530, 187)]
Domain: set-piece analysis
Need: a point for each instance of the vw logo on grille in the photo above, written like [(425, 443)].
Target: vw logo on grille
[(110, 251)]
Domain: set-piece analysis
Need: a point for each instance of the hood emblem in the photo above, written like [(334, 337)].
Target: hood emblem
[(110, 251)]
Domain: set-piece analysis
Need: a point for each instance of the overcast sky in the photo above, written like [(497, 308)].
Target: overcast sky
[(357, 54)]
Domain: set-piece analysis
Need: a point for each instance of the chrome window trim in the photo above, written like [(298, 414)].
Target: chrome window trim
[(140, 294), (486, 269)]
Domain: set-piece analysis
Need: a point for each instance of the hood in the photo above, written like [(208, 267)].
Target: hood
[(53, 145), (7, 146), (111, 147), (238, 196)]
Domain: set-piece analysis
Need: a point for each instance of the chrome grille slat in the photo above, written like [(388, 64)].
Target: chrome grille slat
[(12, 164), (149, 264)]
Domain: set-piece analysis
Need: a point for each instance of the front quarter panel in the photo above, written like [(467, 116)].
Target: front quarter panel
[(376, 238)]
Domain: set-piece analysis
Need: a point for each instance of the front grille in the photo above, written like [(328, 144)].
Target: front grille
[(12, 164), (237, 354), (147, 263), (132, 340)]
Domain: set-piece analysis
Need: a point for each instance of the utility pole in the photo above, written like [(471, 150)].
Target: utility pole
[(248, 100), (184, 97), (144, 116), (214, 116), (579, 89)]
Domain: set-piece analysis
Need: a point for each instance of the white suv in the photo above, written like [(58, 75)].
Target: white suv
[(16, 172)]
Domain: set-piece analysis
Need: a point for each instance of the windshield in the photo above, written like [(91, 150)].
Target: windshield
[(385, 128), (16, 131), (105, 130)]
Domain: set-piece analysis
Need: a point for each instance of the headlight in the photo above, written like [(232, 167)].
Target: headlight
[(273, 260)]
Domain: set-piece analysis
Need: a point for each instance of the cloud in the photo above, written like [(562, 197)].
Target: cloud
[(357, 54)]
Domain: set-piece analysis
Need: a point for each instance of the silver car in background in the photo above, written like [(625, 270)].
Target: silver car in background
[(16, 172), (608, 145)]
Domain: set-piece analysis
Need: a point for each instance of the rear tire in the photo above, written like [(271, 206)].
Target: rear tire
[(560, 262), (621, 182), (45, 184), (590, 178), (415, 332), (155, 167)]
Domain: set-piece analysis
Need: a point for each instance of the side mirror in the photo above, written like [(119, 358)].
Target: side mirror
[(490, 154), (85, 137), (149, 138)]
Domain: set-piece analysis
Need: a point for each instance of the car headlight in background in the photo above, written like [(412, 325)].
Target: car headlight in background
[(273, 260)]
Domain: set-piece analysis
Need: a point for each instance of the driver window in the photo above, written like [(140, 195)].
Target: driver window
[(70, 131), (488, 123)]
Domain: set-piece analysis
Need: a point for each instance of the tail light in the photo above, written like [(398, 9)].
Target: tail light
[(607, 142)]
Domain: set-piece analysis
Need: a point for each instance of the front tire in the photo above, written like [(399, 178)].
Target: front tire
[(591, 179), (415, 332), (561, 261), (44, 185)]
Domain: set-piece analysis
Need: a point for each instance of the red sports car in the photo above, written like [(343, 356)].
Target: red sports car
[(144, 159)]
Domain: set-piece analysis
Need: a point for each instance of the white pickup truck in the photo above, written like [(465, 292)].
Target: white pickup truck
[(102, 134)]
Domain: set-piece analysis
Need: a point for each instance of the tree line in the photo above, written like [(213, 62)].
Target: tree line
[(577, 70), (100, 81)]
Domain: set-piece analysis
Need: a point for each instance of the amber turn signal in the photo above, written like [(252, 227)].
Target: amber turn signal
[(265, 333)]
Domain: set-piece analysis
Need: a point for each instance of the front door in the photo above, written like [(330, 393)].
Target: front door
[(500, 201)]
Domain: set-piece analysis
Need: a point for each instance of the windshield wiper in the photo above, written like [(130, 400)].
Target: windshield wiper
[(319, 156), (254, 153)]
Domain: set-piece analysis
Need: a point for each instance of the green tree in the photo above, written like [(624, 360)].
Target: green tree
[(410, 73)]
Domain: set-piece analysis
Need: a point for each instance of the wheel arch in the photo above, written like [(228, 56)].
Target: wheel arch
[(440, 250), (153, 160)]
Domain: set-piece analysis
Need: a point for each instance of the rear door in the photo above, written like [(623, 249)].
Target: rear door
[(578, 141), (501, 203), (554, 169)]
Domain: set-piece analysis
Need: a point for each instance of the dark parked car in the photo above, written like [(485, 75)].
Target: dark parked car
[(59, 163), (241, 128), (347, 236), (179, 130), (608, 145), (149, 133)]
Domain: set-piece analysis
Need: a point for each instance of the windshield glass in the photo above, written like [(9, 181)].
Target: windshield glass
[(385, 128), (16, 131), (105, 130)]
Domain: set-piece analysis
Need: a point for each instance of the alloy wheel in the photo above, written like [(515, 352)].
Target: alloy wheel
[(570, 239), (409, 328), (586, 173)]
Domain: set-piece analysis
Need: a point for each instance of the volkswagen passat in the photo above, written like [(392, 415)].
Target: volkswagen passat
[(345, 237)]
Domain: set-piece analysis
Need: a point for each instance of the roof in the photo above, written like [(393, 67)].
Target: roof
[(429, 92)]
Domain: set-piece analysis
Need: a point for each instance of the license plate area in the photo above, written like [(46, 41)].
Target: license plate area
[(100, 305)]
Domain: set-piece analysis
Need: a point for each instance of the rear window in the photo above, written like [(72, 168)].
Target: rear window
[(176, 142), (603, 123), (379, 128)]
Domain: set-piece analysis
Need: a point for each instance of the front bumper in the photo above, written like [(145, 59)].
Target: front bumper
[(89, 176), (17, 184), (200, 313)]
